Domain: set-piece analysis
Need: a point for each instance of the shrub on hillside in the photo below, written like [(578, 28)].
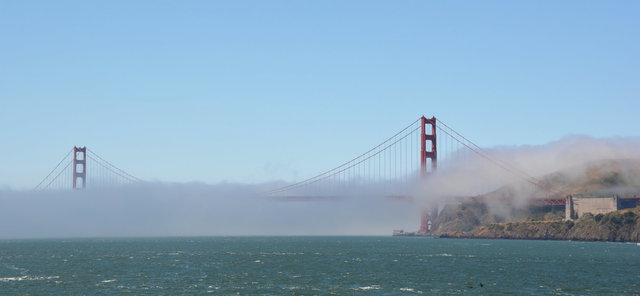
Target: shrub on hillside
[(569, 224), (629, 218), (598, 217)]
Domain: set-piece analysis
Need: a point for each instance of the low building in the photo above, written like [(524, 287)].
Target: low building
[(576, 207)]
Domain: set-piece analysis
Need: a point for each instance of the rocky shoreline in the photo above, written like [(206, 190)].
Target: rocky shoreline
[(618, 226)]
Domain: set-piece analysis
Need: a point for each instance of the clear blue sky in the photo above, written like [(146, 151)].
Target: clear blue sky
[(251, 91)]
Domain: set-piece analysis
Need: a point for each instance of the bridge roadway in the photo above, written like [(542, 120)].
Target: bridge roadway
[(542, 201)]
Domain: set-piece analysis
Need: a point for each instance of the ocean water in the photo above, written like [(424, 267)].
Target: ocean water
[(316, 266)]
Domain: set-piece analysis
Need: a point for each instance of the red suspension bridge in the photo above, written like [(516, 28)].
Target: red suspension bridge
[(400, 167), (394, 167), (402, 161)]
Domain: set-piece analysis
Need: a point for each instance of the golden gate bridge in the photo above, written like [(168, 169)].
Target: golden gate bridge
[(397, 167), (406, 158)]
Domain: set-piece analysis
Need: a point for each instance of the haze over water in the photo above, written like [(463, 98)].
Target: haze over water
[(317, 266)]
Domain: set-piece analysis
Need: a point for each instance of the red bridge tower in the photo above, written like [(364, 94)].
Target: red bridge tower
[(79, 166), (428, 164)]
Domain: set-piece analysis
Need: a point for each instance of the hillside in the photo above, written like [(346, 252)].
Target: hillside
[(618, 226), (610, 176), (494, 218)]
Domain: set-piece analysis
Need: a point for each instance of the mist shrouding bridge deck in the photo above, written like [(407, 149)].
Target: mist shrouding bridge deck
[(399, 167)]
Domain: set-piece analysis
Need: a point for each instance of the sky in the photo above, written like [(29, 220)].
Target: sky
[(256, 91)]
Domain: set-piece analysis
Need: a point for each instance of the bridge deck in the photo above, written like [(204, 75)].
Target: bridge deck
[(543, 201)]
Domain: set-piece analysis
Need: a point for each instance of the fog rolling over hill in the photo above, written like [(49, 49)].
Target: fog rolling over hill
[(567, 164), (594, 178)]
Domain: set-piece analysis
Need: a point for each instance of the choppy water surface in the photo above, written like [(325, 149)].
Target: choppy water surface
[(316, 265)]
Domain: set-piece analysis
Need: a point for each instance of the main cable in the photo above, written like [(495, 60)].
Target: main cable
[(54, 169)]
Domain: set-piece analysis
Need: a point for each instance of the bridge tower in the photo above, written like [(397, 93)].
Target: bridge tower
[(428, 164), (79, 166), (432, 154)]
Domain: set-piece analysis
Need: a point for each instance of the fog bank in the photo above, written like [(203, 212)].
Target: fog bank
[(192, 209)]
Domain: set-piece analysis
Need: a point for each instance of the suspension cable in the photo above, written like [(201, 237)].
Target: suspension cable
[(337, 170), (478, 150), (54, 169), (131, 179), (58, 175), (134, 178)]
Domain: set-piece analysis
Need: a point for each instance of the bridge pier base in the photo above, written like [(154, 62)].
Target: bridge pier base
[(427, 219)]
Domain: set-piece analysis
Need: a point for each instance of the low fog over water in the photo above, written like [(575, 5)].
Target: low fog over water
[(188, 209), (162, 209)]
